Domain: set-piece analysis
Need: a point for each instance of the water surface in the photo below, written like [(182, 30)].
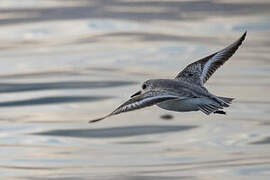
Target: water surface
[(66, 62)]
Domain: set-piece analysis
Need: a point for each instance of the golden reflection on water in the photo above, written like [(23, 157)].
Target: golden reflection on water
[(63, 63)]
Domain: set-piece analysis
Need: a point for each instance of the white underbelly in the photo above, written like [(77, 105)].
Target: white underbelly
[(184, 105)]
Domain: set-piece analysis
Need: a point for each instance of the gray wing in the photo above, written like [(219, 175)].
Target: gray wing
[(200, 71), (144, 100)]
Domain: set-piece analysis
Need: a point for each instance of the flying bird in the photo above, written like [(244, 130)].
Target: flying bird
[(186, 92)]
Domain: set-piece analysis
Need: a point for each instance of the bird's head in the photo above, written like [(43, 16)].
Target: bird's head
[(146, 86)]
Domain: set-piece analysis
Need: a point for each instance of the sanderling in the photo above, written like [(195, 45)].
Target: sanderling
[(186, 92)]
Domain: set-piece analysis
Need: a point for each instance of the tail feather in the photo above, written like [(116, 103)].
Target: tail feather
[(226, 99), (216, 107)]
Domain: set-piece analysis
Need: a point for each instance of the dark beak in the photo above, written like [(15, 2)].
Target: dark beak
[(136, 94)]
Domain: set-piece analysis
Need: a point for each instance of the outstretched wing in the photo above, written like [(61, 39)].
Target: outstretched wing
[(200, 71), (147, 99)]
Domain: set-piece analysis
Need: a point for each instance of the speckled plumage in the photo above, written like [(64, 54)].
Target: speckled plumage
[(186, 92)]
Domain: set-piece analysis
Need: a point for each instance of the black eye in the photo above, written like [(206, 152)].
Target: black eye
[(190, 74), (144, 86)]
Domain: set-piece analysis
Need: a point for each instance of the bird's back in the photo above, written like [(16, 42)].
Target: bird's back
[(179, 86)]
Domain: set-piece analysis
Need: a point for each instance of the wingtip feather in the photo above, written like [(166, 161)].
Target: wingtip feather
[(96, 120), (243, 37)]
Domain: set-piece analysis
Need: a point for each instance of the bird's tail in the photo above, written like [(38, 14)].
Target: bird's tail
[(216, 107), (226, 103), (226, 99)]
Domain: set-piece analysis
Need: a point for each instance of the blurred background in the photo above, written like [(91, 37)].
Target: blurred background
[(64, 62)]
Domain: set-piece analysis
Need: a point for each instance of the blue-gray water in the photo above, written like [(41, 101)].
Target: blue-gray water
[(65, 62)]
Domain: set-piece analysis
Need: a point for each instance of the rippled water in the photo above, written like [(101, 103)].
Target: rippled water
[(65, 62)]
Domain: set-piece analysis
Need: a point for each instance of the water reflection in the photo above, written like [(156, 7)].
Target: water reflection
[(20, 87), (131, 11), (116, 132), (262, 142), (65, 62), (144, 36), (52, 100)]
